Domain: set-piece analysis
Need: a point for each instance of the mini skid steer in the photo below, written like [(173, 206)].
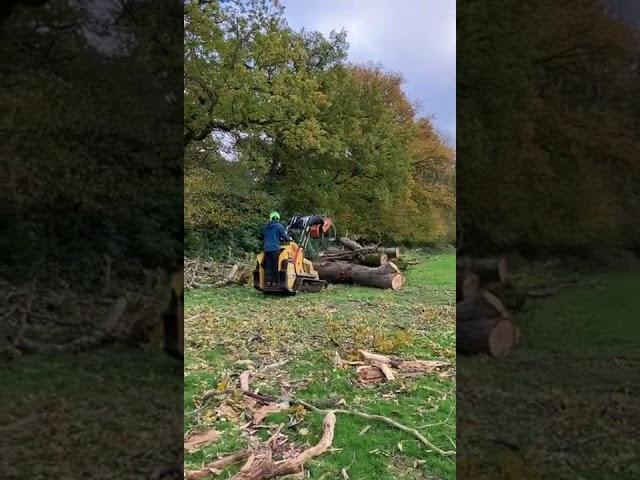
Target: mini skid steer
[(295, 272)]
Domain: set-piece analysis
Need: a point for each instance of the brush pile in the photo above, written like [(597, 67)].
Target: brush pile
[(40, 319), (203, 273)]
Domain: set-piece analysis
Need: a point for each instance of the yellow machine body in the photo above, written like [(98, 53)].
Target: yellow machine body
[(295, 272)]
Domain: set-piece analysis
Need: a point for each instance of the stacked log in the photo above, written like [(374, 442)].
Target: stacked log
[(357, 264), (371, 259), (385, 276), (490, 274), (484, 323)]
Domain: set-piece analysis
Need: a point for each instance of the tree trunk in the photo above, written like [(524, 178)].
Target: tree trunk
[(495, 336), (390, 252), (511, 295), (385, 276), (350, 244), (489, 270), (479, 306), (372, 259), (467, 285)]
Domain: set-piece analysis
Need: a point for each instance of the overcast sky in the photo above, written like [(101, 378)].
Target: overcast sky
[(416, 38)]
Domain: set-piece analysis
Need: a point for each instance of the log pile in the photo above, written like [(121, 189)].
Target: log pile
[(484, 297), (368, 265)]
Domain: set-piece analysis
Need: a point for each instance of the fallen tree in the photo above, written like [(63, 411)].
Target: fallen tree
[(467, 285), (350, 244), (391, 253), (371, 259), (386, 276), (369, 255)]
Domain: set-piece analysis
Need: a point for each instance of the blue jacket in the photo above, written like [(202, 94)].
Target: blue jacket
[(273, 234)]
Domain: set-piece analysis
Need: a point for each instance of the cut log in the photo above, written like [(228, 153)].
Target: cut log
[(389, 267), (390, 252), (342, 272), (346, 254), (513, 297), (467, 285), (489, 270), (371, 357), (495, 336), (369, 375), (372, 259), (479, 306), (350, 244)]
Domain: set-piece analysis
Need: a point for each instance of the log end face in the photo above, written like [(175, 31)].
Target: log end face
[(397, 282), (502, 338)]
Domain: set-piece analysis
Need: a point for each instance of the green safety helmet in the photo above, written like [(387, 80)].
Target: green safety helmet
[(274, 216)]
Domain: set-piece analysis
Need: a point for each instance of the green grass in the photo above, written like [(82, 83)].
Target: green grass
[(236, 323), (101, 413), (565, 405)]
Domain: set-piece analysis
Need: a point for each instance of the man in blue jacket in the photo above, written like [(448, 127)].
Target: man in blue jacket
[(273, 234)]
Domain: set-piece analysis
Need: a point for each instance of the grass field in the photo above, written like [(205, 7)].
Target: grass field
[(104, 414), (228, 326), (565, 405)]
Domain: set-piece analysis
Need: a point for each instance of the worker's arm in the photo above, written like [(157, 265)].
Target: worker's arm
[(283, 235)]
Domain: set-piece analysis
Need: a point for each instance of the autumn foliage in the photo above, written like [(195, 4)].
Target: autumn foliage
[(276, 119), (548, 125)]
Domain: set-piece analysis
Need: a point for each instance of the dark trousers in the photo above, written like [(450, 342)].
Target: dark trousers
[(170, 319), (271, 266)]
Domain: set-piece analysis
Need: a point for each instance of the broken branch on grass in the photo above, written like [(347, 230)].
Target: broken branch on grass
[(215, 467), (245, 379), (276, 365), (382, 418), (260, 465)]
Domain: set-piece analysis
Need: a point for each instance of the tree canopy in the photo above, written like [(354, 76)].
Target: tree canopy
[(548, 126), (93, 136), (277, 119)]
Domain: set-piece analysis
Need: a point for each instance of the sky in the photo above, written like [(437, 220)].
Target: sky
[(415, 38)]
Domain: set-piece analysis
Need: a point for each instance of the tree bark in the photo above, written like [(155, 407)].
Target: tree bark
[(479, 306), (350, 244), (510, 294), (372, 259), (488, 270), (467, 285), (385, 276), (495, 336), (390, 252)]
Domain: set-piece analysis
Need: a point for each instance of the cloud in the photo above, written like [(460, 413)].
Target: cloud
[(415, 38)]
